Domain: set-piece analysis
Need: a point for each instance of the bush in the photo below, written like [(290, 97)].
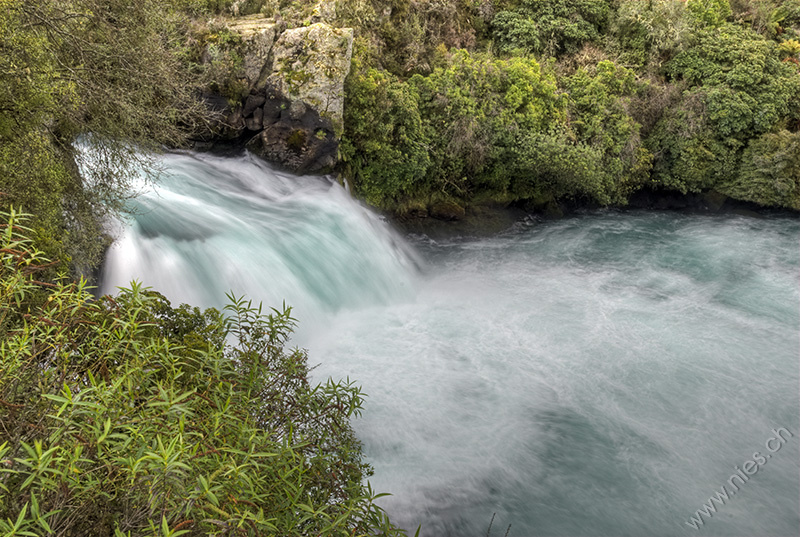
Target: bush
[(776, 19), (769, 173), (599, 117), (385, 148), (491, 129), (651, 32), (750, 88), (709, 12), (125, 416), (449, 134), (738, 89), (405, 36), (513, 31), (480, 107), (551, 165), (551, 27)]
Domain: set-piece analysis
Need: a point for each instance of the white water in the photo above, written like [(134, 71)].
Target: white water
[(217, 225), (599, 375)]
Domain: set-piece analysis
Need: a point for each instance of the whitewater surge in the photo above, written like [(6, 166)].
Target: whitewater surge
[(598, 375), (216, 225)]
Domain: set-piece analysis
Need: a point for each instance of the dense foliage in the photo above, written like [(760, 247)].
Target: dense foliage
[(552, 27), (661, 95), (736, 89), (112, 69), (126, 416), (450, 132)]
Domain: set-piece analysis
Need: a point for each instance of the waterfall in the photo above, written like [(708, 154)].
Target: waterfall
[(604, 374), (217, 225)]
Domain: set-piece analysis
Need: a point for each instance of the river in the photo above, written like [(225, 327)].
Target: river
[(603, 374)]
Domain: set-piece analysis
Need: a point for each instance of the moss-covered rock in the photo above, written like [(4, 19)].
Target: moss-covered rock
[(447, 210), (324, 11), (291, 134)]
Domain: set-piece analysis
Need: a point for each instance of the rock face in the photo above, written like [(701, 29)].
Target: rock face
[(258, 36), (294, 112), (310, 65), (324, 11), (291, 134)]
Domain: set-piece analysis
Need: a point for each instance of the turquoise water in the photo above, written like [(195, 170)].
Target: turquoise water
[(604, 374)]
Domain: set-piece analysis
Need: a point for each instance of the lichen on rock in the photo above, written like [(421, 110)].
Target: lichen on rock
[(324, 11), (310, 65), (294, 111), (258, 37)]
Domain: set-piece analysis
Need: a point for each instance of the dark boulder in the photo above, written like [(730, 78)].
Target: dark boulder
[(447, 210), (294, 136), (253, 103)]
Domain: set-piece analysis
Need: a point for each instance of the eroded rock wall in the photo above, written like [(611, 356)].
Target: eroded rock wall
[(293, 112)]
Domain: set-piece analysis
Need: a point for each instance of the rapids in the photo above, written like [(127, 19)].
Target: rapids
[(604, 374)]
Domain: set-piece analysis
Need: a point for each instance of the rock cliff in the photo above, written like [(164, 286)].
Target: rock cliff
[(293, 113)]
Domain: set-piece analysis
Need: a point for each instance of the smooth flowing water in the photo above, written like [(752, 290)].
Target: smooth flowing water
[(605, 374)]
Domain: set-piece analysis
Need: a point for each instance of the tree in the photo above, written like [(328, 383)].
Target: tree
[(110, 73)]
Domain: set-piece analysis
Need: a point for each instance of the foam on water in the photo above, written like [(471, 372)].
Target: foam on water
[(598, 375), (215, 225)]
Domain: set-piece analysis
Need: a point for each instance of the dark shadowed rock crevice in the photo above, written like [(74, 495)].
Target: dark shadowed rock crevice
[(290, 133)]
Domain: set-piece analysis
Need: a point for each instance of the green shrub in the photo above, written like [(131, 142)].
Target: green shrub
[(709, 12), (202, 7), (480, 107), (599, 117), (484, 128), (125, 416), (551, 27), (597, 155), (769, 173), (449, 133), (385, 147), (552, 165), (774, 19), (513, 31), (406, 36), (651, 32), (746, 72), (738, 90), (689, 156)]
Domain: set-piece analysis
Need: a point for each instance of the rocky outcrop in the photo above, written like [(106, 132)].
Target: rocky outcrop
[(310, 64), (446, 210), (258, 36), (324, 11), (290, 133), (294, 112)]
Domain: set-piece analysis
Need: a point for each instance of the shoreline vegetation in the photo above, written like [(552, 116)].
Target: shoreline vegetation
[(128, 416), (447, 106), (546, 105)]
